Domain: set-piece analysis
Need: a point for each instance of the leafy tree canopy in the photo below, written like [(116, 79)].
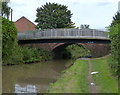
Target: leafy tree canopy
[(115, 40), (5, 11), (116, 19), (85, 26), (53, 15), (11, 52), (115, 26)]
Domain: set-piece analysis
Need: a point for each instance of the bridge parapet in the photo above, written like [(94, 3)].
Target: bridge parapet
[(63, 33)]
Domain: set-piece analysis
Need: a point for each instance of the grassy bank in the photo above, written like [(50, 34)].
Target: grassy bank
[(73, 80), (104, 79)]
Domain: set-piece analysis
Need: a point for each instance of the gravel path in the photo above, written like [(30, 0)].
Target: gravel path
[(92, 86)]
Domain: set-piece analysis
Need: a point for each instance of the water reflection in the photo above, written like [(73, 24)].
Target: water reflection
[(31, 78), (25, 89)]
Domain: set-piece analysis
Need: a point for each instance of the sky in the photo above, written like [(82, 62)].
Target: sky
[(96, 13)]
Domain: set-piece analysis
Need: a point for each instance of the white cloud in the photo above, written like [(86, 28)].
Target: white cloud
[(97, 13)]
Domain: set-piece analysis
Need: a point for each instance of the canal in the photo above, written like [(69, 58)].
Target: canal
[(32, 78)]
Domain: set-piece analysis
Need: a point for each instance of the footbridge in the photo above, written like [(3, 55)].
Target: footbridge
[(64, 36)]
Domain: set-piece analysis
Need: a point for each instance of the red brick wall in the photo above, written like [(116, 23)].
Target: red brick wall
[(23, 24), (96, 50)]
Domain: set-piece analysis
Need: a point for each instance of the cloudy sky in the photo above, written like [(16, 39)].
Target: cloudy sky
[(97, 13)]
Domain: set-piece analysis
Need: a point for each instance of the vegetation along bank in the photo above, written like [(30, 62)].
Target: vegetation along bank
[(75, 78), (12, 53), (75, 51), (107, 68)]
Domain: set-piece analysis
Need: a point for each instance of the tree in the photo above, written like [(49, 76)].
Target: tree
[(116, 19), (115, 35), (11, 53), (115, 41), (5, 11), (53, 15), (85, 26)]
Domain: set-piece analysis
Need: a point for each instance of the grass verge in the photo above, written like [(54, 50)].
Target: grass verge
[(104, 79), (73, 80)]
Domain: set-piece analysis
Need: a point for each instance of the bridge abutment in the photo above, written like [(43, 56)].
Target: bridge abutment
[(98, 50)]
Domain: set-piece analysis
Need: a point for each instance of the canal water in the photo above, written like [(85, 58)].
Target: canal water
[(32, 78)]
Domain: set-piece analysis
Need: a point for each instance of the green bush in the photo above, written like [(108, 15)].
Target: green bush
[(115, 43), (29, 55), (115, 48), (113, 65), (35, 55), (75, 51), (11, 52), (67, 54)]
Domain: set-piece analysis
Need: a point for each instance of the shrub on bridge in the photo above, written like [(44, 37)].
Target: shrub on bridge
[(11, 52)]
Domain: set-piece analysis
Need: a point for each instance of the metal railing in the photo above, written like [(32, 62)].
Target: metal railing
[(62, 33)]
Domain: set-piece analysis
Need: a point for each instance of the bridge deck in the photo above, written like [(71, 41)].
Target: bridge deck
[(64, 34)]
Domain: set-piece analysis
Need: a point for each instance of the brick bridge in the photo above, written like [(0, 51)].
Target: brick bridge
[(96, 50), (57, 39)]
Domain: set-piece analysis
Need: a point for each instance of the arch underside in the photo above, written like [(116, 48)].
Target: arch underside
[(96, 50)]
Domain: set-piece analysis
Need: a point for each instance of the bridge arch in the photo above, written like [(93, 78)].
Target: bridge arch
[(58, 49), (96, 50)]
